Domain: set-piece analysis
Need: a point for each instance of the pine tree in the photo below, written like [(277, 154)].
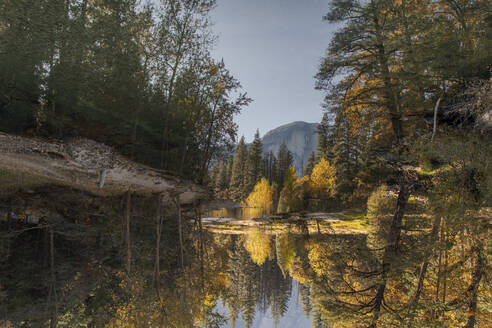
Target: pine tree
[(254, 165), (221, 179), (343, 159), (284, 161), (288, 201), (214, 173), (305, 295), (269, 166), (325, 137), (311, 162), (238, 171), (229, 171)]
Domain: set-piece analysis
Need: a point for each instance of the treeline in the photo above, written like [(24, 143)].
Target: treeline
[(133, 74), (270, 182), (235, 177)]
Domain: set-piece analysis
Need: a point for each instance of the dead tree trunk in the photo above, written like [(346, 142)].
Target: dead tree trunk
[(436, 108)]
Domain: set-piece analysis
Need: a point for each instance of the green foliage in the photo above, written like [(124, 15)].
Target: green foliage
[(284, 161), (325, 140), (311, 162), (391, 79), (380, 210), (288, 199), (380, 204), (254, 164), (237, 187)]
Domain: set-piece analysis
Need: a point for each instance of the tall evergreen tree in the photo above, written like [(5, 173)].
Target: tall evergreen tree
[(284, 161), (325, 137), (221, 179), (311, 162), (269, 166), (254, 164), (214, 173), (238, 171), (305, 295), (229, 171)]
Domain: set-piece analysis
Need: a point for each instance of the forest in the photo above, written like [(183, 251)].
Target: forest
[(404, 143), (136, 75)]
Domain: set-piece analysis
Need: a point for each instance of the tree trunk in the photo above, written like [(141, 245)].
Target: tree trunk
[(158, 216), (423, 271), (463, 211), (180, 232), (391, 95), (128, 235), (183, 158), (54, 314), (473, 289), (436, 108), (439, 264), (445, 268), (165, 131), (391, 250)]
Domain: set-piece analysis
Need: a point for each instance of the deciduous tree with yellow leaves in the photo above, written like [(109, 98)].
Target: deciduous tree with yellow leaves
[(323, 179), (261, 196)]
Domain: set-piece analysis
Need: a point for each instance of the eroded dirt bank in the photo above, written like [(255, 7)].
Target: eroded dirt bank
[(87, 166)]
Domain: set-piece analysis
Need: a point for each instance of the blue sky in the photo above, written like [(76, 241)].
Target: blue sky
[(273, 47)]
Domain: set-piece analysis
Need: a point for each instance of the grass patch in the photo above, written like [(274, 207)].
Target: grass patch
[(423, 171), (357, 224)]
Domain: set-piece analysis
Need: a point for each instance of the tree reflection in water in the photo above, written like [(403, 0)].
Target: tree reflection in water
[(231, 279)]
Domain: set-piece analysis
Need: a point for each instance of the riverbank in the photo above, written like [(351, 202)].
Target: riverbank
[(27, 164), (312, 223)]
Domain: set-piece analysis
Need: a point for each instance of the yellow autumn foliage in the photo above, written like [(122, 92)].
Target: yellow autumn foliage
[(261, 196), (258, 245), (319, 257), (323, 179)]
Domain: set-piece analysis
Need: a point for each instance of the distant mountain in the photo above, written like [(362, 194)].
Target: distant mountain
[(301, 139)]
